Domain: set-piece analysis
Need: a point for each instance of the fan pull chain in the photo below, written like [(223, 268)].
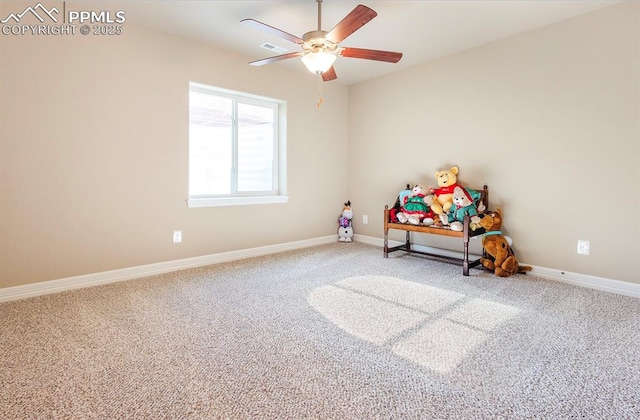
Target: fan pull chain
[(320, 100)]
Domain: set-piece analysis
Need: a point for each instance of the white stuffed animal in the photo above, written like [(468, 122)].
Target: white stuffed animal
[(345, 231)]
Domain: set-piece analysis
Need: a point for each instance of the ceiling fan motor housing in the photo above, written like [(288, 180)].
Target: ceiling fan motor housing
[(315, 39)]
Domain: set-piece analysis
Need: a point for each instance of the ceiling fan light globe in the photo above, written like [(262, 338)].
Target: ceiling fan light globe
[(317, 62)]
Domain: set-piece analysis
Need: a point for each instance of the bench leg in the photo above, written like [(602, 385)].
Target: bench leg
[(407, 241), (465, 239), (465, 261), (386, 244)]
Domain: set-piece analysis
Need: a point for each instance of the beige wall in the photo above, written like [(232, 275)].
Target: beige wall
[(94, 154), (548, 119), (93, 147)]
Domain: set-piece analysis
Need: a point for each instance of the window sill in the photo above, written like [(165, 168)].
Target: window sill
[(236, 201)]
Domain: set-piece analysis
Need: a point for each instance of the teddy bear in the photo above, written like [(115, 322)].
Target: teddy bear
[(502, 260), (443, 195), (464, 204), (416, 209), (397, 206), (345, 231)]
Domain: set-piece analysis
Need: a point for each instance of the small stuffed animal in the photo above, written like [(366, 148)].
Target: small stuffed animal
[(443, 195), (417, 207), (464, 204), (502, 260), (397, 207), (345, 231)]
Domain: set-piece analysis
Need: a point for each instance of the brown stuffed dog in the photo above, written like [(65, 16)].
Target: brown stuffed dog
[(502, 262)]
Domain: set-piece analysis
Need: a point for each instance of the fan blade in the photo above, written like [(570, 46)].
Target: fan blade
[(351, 23), (276, 58), (388, 56), (273, 31), (329, 75)]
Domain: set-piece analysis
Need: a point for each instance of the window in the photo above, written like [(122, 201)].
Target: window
[(236, 148)]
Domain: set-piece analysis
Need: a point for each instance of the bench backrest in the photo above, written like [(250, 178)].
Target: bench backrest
[(484, 197)]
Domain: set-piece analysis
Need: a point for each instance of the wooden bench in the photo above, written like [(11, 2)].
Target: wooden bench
[(465, 235)]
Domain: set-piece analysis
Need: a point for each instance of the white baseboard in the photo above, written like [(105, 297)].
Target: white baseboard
[(576, 279), (584, 280), (113, 276), (54, 286)]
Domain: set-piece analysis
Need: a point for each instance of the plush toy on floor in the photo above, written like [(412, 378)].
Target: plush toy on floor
[(502, 260), (345, 231)]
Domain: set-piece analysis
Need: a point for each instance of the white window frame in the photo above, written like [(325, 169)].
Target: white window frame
[(279, 193)]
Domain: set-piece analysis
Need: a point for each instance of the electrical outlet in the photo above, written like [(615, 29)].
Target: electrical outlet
[(583, 247), (177, 236), (365, 219)]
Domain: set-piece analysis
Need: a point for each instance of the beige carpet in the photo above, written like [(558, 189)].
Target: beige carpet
[(329, 332)]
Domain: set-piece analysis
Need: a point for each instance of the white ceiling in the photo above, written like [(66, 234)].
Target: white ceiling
[(421, 30)]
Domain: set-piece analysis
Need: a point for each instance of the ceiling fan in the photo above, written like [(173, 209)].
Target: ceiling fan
[(320, 48)]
